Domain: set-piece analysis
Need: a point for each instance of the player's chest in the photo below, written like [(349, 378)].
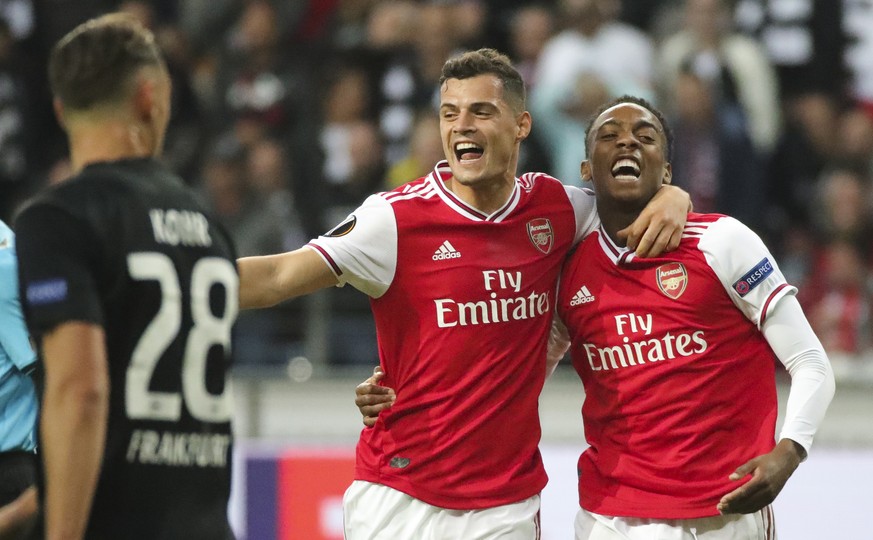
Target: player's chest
[(626, 303), (482, 259)]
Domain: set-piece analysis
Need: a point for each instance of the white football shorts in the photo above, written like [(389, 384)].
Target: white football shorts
[(757, 526), (377, 512)]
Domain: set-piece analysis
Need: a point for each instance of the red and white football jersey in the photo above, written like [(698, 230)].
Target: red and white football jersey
[(679, 381), (463, 304)]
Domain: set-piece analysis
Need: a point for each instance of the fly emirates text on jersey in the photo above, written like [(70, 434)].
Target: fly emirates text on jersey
[(499, 307), (638, 347)]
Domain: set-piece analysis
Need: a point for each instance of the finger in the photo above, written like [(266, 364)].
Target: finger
[(370, 388), (631, 236), (744, 469), (365, 400), (648, 242), (370, 421)]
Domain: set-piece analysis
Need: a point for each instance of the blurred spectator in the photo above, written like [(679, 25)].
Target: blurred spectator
[(855, 139), (708, 40), (804, 40), (410, 60), (843, 210), (713, 156), (841, 317), (425, 150), (530, 28), (857, 22), (14, 125), (353, 161), (593, 59)]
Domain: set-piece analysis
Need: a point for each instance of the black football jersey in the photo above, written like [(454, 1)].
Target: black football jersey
[(127, 246)]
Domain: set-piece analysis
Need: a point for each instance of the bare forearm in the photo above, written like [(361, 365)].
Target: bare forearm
[(73, 429), (73, 424), (267, 280)]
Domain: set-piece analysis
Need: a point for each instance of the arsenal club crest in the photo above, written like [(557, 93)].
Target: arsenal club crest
[(540, 233), (672, 279)]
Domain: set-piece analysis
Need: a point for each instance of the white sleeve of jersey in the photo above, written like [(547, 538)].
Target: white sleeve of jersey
[(812, 378), (585, 208), (744, 266), (364, 247)]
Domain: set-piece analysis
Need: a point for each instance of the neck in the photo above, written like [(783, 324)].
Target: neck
[(93, 142), (614, 219), (486, 196)]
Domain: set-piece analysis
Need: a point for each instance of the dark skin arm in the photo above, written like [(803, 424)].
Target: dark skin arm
[(371, 398), (660, 224), (769, 473)]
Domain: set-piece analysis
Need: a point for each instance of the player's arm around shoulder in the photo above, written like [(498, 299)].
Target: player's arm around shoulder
[(659, 226), (267, 280)]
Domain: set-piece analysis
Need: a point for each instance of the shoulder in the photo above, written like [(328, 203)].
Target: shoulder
[(417, 190)]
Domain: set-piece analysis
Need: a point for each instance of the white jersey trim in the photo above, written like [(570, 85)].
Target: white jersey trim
[(441, 172)]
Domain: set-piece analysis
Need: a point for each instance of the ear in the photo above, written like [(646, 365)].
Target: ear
[(523, 124), (668, 174), (145, 98), (585, 171), (58, 106)]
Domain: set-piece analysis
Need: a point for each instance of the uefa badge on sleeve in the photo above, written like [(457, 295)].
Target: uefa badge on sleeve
[(672, 279), (540, 233)]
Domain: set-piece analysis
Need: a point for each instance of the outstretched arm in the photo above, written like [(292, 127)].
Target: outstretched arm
[(812, 388), (267, 280), (659, 226)]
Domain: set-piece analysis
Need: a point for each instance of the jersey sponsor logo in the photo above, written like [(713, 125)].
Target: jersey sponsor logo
[(446, 251), (636, 353), (4, 243), (343, 228), (754, 277), (672, 279), (582, 296), (506, 303), (540, 233), (640, 345), (48, 291)]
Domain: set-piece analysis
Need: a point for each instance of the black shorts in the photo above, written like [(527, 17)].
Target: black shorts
[(17, 473)]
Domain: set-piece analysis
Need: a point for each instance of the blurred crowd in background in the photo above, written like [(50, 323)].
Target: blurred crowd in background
[(288, 113)]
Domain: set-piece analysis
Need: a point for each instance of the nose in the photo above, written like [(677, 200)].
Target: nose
[(465, 123), (627, 140)]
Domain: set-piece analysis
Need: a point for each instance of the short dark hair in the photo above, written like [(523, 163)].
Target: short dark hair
[(94, 63), (668, 134), (488, 62)]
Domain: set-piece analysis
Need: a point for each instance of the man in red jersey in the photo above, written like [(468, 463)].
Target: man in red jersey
[(679, 369), (461, 267), (677, 355)]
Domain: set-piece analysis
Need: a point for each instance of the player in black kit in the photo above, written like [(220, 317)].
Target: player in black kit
[(130, 292)]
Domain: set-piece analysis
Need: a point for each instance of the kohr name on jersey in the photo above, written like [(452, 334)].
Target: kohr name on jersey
[(638, 353), (451, 313), (183, 227)]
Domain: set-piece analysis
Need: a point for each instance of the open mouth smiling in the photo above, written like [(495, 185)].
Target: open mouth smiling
[(626, 169), (467, 151)]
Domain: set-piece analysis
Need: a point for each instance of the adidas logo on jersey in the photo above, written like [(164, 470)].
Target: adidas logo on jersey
[(582, 296), (446, 251)]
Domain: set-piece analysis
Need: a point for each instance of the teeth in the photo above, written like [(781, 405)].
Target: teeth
[(466, 146), (626, 163)]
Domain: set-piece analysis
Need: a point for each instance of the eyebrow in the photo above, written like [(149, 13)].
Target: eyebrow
[(638, 125)]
